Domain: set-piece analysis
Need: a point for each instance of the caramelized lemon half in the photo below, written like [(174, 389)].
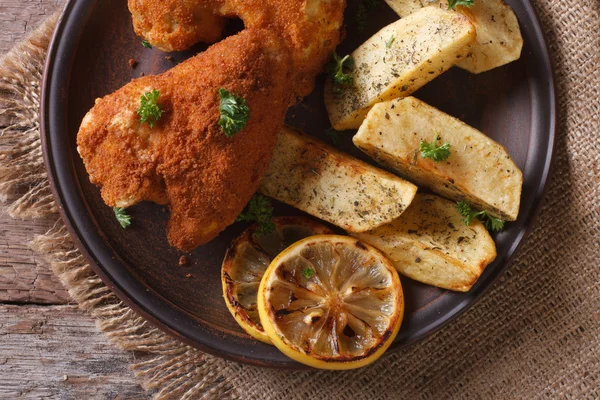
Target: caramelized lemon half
[(331, 302), (248, 258)]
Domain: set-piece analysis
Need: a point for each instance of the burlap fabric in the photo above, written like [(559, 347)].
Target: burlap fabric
[(536, 334)]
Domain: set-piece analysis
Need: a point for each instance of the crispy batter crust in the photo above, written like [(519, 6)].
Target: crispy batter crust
[(186, 161), (310, 28), (175, 25)]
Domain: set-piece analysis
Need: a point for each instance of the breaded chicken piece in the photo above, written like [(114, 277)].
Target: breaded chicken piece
[(175, 26), (310, 28), (186, 161)]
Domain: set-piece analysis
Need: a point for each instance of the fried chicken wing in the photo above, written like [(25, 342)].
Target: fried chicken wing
[(175, 25), (310, 28), (186, 161)]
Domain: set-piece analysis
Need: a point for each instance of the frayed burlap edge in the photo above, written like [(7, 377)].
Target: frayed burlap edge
[(23, 180), (164, 365)]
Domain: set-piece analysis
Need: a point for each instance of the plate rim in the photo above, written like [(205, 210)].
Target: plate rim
[(168, 327)]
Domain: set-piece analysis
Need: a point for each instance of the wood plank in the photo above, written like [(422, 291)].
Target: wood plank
[(51, 352), (47, 351), (19, 17), (22, 278)]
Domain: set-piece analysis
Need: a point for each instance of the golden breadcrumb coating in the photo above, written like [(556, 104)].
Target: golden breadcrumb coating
[(186, 161), (310, 28), (175, 26)]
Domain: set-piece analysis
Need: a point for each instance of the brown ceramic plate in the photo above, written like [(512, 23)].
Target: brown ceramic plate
[(89, 58)]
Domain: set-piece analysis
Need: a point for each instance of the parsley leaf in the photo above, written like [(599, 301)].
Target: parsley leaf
[(259, 210), (490, 222), (336, 136), (234, 113), (361, 18), (122, 216), (308, 273), (362, 14), (390, 42), (465, 210), (432, 151), (453, 3), (149, 111), (336, 68), (146, 44), (371, 4)]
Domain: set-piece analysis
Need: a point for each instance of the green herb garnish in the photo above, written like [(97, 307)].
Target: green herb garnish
[(146, 44), (149, 111), (234, 113), (259, 210), (435, 152), (490, 222), (336, 136), (371, 4), (453, 3), (362, 14), (361, 18), (308, 273), (122, 216), (337, 70), (390, 42)]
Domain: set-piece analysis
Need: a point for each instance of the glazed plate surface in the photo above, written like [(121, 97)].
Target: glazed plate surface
[(89, 58)]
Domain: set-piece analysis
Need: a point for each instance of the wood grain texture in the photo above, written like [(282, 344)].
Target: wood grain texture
[(22, 278), (19, 17), (56, 352), (47, 350)]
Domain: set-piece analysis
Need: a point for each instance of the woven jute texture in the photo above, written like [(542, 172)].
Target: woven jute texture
[(536, 333)]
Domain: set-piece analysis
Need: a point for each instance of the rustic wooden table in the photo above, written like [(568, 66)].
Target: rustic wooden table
[(48, 348)]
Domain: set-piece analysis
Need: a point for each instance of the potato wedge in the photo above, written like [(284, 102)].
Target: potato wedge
[(431, 244), (478, 169), (499, 39), (398, 60), (328, 184)]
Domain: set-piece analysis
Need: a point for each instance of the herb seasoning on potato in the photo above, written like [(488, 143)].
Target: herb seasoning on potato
[(427, 44), (431, 244), (477, 170), (499, 39), (328, 184)]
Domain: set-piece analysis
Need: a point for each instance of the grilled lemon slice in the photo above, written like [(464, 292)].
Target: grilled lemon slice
[(246, 261), (331, 302)]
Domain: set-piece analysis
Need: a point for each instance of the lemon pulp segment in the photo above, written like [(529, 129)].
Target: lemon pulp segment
[(246, 261), (331, 302)]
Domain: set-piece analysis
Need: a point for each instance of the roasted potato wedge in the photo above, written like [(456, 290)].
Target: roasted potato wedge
[(478, 169), (431, 244), (499, 39), (398, 60), (328, 184)]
